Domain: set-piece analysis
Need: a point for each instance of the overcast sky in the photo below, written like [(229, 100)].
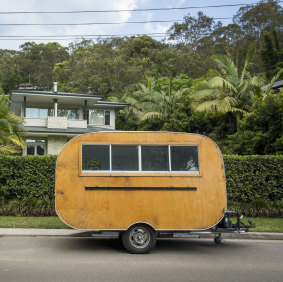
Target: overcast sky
[(80, 5)]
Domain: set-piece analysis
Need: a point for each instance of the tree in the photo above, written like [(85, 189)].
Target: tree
[(36, 62), (256, 20), (9, 73), (192, 30), (111, 67), (185, 119), (271, 54), (261, 132), (10, 129), (151, 101), (227, 91)]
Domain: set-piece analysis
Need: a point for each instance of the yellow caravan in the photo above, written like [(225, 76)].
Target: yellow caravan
[(141, 185)]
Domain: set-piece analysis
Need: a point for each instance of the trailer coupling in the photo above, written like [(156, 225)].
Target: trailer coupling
[(226, 225)]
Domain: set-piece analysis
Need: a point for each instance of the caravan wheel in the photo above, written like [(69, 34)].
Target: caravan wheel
[(139, 239)]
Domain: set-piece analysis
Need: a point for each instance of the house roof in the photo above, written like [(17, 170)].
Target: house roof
[(58, 94), (112, 104), (47, 98), (277, 84)]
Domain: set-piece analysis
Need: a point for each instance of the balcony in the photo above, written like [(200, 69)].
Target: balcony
[(56, 122)]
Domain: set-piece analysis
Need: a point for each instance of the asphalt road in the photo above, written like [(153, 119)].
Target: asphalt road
[(85, 259)]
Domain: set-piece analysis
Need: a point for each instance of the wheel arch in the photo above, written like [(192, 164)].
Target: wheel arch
[(142, 223)]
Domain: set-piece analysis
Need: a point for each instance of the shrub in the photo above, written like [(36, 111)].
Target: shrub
[(251, 178), (254, 185), (23, 177)]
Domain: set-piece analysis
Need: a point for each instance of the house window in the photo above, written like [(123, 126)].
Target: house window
[(68, 113), (99, 117), (35, 147), (107, 117), (37, 112), (44, 113)]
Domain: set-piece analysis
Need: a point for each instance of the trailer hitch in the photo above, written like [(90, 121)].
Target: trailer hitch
[(226, 223)]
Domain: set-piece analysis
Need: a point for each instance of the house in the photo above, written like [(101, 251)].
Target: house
[(278, 85), (53, 118)]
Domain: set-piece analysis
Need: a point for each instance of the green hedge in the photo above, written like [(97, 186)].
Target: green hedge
[(254, 184), (27, 185), (250, 178)]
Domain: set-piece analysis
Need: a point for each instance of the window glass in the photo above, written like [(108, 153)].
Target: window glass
[(35, 147), (36, 113), (30, 150), (107, 117), (68, 113), (96, 117), (40, 150), (51, 112), (155, 158), (184, 158), (95, 157), (125, 158)]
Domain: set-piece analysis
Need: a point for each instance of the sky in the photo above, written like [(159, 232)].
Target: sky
[(77, 31)]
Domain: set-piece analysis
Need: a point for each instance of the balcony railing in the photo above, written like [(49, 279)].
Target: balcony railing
[(56, 122)]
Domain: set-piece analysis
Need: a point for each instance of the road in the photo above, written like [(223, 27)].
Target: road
[(86, 259)]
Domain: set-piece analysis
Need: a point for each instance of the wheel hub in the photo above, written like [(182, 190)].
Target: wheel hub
[(139, 238)]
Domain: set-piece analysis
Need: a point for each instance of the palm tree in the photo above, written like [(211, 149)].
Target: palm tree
[(150, 101), (227, 91), (10, 129)]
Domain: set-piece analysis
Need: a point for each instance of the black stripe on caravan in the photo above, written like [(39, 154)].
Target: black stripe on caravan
[(143, 188)]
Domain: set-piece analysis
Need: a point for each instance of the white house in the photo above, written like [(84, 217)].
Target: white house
[(53, 118)]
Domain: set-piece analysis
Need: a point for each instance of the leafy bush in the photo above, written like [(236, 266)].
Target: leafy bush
[(27, 185), (24, 177), (258, 208), (251, 178), (254, 185)]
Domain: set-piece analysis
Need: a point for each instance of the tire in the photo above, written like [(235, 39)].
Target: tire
[(139, 239)]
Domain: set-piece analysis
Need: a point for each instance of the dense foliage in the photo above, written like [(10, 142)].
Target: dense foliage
[(27, 184), (205, 77), (11, 127)]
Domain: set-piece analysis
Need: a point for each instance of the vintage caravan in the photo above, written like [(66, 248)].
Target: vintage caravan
[(141, 185)]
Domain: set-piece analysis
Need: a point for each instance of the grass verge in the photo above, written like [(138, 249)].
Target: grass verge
[(48, 222), (262, 224), (266, 224)]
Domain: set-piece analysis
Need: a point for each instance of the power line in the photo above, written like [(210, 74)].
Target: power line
[(97, 23), (128, 10), (83, 35), (69, 38), (78, 36)]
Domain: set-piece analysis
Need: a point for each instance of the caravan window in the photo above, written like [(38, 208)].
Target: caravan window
[(125, 158), (140, 158), (95, 157), (184, 158), (155, 158)]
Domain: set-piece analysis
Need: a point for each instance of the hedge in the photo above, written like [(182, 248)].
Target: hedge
[(27, 184), (250, 178)]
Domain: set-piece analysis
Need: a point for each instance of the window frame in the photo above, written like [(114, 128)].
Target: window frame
[(35, 144), (139, 172), (104, 118)]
